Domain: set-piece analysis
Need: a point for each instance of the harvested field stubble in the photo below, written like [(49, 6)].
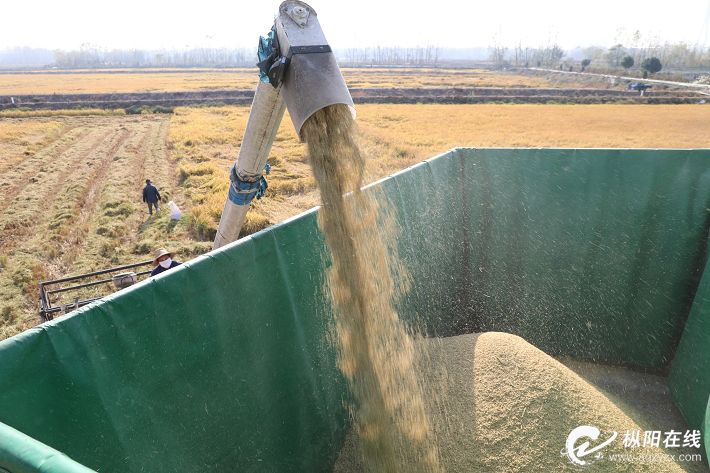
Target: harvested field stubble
[(19, 142), (75, 206), (126, 81), (498, 404)]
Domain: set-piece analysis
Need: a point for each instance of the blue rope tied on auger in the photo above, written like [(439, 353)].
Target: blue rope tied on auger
[(243, 192)]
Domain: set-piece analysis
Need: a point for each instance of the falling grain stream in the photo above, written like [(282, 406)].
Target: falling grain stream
[(376, 352)]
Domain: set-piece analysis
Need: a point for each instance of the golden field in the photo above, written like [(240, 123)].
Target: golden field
[(70, 185), (200, 79), (205, 142), (424, 130), (70, 203)]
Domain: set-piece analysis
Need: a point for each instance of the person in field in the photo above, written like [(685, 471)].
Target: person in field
[(151, 196), (163, 261)]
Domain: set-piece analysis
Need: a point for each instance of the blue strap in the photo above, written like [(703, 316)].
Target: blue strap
[(243, 192)]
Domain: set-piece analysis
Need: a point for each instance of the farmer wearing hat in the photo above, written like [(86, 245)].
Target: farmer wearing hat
[(163, 261)]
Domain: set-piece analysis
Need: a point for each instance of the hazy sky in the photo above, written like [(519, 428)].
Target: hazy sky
[(149, 24)]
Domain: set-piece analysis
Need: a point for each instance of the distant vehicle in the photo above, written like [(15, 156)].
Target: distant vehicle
[(639, 86)]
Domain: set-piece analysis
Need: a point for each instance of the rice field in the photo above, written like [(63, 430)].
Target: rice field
[(206, 141), (199, 79), (70, 186)]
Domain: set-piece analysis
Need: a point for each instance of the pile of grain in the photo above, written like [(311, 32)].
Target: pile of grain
[(498, 404)]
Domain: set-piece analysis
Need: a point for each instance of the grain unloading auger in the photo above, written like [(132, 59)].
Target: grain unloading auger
[(298, 72)]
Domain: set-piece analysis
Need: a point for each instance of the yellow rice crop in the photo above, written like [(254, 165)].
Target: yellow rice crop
[(125, 81), (397, 136)]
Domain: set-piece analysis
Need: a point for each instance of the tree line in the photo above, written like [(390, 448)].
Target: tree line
[(640, 47), (633, 45), (428, 55), (92, 56), (672, 56), (628, 50), (544, 56)]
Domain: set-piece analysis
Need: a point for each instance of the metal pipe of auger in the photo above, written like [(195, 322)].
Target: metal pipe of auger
[(265, 116)]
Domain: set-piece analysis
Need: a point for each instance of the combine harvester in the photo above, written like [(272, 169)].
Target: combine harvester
[(224, 363)]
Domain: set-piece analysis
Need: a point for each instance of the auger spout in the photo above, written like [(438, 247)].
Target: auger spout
[(298, 72)]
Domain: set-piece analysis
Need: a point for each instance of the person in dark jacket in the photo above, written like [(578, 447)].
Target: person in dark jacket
[(151, 196), (163, 261)]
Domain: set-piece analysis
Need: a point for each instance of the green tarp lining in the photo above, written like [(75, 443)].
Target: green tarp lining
[(222, 364), (425, 202), (587, 253), (225, 363), (689, 381)]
